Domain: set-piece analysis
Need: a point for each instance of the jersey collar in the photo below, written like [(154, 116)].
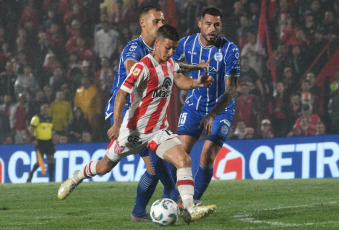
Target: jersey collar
[(142, 40), (208, 47)]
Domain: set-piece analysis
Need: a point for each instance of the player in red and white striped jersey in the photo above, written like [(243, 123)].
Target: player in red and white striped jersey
[(150, 84)]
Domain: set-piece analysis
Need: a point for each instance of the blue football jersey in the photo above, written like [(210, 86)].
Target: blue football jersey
[(224, 61), (134, 50)]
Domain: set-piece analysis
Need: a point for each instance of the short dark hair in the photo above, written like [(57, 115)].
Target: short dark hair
[(146, 8), (167, 31), (211, 11)]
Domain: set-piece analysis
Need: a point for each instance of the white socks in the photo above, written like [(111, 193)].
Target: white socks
[(87, 172), (185, 184)]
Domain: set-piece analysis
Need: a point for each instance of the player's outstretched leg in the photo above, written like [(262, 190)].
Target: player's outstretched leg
[(68, 186)]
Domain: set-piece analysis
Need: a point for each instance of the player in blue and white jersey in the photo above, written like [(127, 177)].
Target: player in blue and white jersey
[(208, 111)]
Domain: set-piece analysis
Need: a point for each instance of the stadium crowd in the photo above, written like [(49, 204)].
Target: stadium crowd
[(65, 53)]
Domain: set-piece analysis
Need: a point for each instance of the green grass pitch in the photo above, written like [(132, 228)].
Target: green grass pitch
[(241, 204)]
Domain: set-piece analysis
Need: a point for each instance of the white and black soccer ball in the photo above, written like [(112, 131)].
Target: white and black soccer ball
[(164, 212)]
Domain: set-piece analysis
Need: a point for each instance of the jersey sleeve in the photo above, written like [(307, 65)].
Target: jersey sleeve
[(232, 61), (35, 121), (132, 52), (138, 74), (179, 54)]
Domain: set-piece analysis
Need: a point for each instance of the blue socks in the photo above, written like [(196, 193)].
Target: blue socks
[(145, 190), (201, 181), (162, 171)]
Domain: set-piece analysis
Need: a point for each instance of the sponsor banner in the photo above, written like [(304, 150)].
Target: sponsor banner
[(279, 158)]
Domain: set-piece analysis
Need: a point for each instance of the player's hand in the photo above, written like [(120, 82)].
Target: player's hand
[(205, 80), (113, 132), (207, 124), (203, 65)]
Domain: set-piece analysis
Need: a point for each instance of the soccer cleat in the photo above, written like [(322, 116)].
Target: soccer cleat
[(66, 188), (197, 212), (135, 218), (181, 206)]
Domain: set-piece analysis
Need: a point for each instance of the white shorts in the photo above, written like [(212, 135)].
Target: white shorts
[(131, 142)]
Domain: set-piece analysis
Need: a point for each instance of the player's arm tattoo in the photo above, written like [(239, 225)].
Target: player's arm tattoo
[(184, 67), (230, 92)]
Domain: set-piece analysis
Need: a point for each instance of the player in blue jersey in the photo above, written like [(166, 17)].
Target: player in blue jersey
[(208, 111)]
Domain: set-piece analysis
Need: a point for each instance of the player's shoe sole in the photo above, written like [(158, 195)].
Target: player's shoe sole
[(197, 212), (142, 218), (66, 188)]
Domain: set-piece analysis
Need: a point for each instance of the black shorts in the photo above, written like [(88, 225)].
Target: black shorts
[(46, 147)]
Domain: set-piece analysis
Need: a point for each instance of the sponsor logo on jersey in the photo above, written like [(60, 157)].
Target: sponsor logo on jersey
[(118, 149), (229, 164), (2, 172), (134, 140), (165, 89), (136, 71), (218, 56), (193, 53)]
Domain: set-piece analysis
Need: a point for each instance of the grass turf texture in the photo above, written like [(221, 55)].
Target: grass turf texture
[(241, 204)]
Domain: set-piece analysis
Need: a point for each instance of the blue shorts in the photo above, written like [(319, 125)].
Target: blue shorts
[(190, 119), (143, 152)]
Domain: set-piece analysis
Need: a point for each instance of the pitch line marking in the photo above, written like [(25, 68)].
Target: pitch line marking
[(246, 217)]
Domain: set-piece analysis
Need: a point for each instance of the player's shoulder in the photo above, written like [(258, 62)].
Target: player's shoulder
[(225, 43), (133, 45), (189, 38)]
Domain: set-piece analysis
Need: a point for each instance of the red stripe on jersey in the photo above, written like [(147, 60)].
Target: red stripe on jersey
[(172, 65), (152, 146), (153, 120), (147, 100), (133, 76), (110, 144), (185, 182)]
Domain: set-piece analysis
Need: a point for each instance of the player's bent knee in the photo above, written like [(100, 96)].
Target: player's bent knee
[(166, 145)]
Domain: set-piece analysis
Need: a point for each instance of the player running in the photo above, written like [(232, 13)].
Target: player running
[(208, 111), (145, 123)]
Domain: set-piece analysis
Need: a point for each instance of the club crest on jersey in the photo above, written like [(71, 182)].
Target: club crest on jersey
[(218, 56), (118, 149), (165, 89), (136, 71)]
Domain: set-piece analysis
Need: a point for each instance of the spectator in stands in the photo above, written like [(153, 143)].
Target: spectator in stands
[(243, 30), (249, 133), (308, 98), (290, 81), (55, 39), (77, 125), (293, 110), (86, 70), (26, 83), (39, 56), (35, 104), (6, 55), (5, 108), (277, 111), (7, 81), (63, 138), (86, 137), (280, 56), (265, 130), (330, 25), (48, 67), (296, 60), (246, 106), (103, 78), (320, 129), (307, 121), (315, 90), (106, 41), (88, 98), (240, 130), (81, 49), (18, 119), (60, 112), (49, 95), (58, 79), (333, 111), (250, 76), (255, 54), (8, 140)]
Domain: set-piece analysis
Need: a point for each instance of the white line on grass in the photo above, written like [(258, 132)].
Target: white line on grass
[(246, 217)]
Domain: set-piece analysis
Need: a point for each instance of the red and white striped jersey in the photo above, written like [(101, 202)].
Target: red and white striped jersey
[(150, 84)]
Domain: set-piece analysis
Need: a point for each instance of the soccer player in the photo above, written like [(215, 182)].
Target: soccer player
[(208, 111), (145, 122)]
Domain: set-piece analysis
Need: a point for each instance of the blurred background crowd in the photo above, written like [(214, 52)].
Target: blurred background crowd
[(65, 53)]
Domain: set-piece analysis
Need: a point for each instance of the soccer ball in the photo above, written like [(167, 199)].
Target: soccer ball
[(164, 212)]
